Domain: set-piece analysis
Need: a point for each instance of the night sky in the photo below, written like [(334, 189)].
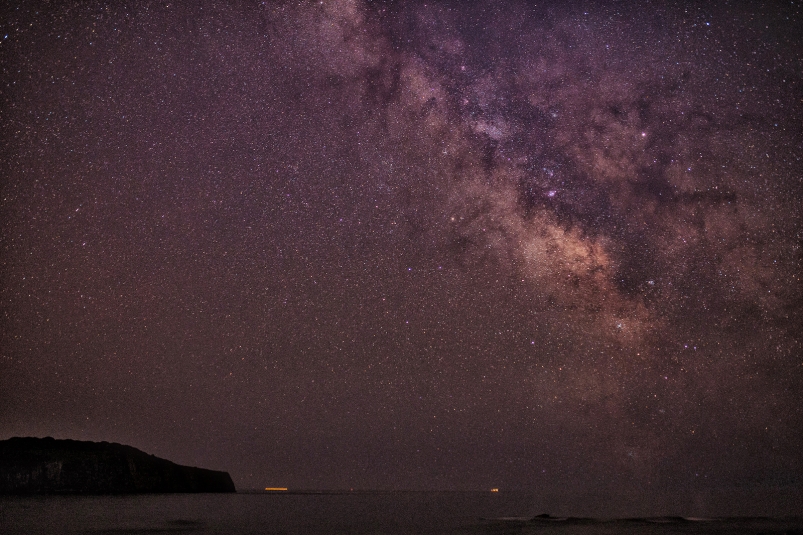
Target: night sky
[(408, 245)]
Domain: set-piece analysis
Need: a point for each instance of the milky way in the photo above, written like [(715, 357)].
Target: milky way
[(407, 245)]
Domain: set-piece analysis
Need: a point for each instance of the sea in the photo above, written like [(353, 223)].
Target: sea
[(357, 513)]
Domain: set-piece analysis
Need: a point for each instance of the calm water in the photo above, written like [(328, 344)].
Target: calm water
[(352, 513)]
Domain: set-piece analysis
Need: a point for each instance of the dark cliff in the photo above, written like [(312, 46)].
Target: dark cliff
[(50, 466)]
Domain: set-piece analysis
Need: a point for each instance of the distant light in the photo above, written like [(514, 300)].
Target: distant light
[(274, 489), (494, 490)]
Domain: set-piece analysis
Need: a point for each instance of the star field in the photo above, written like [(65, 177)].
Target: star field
[(409, 245)]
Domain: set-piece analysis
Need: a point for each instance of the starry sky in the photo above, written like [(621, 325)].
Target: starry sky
[(410, 245)]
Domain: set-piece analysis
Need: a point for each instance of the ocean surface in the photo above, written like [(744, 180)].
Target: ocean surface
[(289, 513)]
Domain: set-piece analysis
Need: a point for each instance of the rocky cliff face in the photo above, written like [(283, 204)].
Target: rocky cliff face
[(50, 466)]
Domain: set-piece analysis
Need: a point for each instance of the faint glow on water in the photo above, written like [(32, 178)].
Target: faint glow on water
[(292, 513)]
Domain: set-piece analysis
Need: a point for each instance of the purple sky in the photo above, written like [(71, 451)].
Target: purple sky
[(410, 245)]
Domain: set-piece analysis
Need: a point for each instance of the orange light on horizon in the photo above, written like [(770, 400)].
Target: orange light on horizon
[(494, 490), (275, 488)]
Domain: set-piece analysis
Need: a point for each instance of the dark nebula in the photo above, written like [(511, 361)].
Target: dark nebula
[(409, 245)]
